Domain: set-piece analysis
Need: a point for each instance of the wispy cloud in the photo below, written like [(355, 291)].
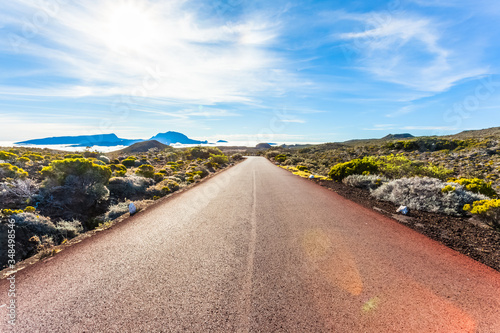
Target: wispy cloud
[(148, 48), (408, 50)]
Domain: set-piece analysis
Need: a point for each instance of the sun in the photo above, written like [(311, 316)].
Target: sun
[(129, 26)]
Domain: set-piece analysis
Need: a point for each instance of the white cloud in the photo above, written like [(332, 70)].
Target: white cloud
[(298, 121), (148, 48), (408, 50)]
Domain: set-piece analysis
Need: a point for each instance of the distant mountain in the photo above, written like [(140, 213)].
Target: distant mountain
[(110, 140), (105, 140), (358, 142), (397, 136), (493, 132), (263, 146), (175, 137), (222, 141), (141, 147)]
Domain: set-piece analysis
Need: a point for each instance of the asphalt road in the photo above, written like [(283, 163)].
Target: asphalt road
[(257, 249)]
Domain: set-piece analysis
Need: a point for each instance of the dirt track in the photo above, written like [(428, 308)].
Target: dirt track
[(257, 249)]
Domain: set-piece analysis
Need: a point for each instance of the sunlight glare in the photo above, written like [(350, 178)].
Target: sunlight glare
[(130, 27)]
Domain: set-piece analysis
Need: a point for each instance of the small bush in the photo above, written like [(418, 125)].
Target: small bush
[(280, 158), (104, 159), (116, 211), (33, 157), (23, 160), (119, 169), (8, 170), (369, 182), (353, 167), (236, 157), (145, 170), (30, 209), (203, 152), (476, 185), (129, 161), (75, 184), (90, 154), (165, 190), (158, 176), (219, 159), (69, 229), (128, 187), (426, 194), (58, 171), (173, 185), (73, 156), (487, 210), (19, 189), (448, 188), (10, 212), (399, 166), (39, 225), (7, 156)]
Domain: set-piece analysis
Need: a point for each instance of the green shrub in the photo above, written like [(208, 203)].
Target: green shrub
[(158, 176), (476, 185), (353, 167), (219, 159), (119, 169), (448, 188), (487, 210), (280, 158), (128, 187), (73, 156), (399, 166), (145, 170), (33, 157), (165, 190), (30, 209), (59, 170), (8, 170), (129, 161), (90, 154), (302, 168), (9, 212), (173, 166), (173, 185), (7, 156), (76, 184), (23, 160), (236, 157), (203, 152)]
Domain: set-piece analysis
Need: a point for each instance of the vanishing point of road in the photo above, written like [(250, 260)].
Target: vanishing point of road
[(257, 249)]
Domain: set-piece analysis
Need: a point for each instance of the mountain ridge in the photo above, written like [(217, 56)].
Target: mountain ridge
[(109, 140)]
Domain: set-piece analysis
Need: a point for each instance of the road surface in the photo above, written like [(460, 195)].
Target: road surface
[(257, 249)]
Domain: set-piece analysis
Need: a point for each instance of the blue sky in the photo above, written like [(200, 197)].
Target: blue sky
[(280, 71)]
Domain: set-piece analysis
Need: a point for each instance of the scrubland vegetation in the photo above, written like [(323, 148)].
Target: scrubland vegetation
[(55, 196), (450, 176)]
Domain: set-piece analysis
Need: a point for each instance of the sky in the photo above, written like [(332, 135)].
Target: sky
[(238, 70)]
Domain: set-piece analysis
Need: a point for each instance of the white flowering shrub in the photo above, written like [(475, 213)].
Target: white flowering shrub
[(116, 211), (427, 194), (127, 187), (370, 182), (39, 225), (19, 189)]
